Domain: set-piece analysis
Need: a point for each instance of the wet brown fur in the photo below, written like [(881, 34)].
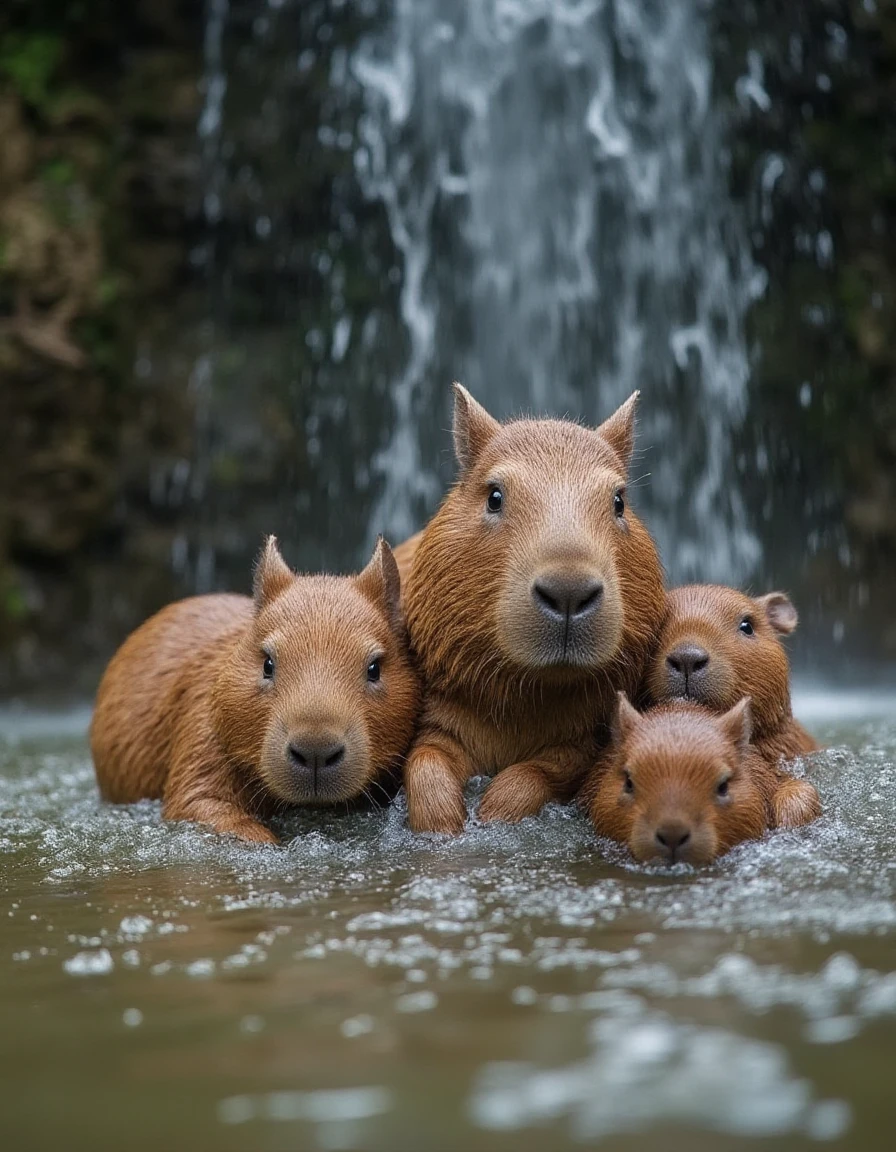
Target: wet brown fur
[(494, 703), (404, 556), (709, 615), (675, 756), (184, 713)]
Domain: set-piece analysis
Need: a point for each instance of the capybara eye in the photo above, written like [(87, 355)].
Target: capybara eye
[(629, 786), (722, 789), (746, 626), (373, 671), (267, 668), (495, 501), (618, 503)]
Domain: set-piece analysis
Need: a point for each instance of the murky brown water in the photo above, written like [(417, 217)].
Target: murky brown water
[(514, 989)]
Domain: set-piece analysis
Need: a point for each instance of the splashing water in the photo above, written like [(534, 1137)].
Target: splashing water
[(527, 983)]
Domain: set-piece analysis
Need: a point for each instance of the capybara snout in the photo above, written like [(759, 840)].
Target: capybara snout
[(310, 762), (575, 617)]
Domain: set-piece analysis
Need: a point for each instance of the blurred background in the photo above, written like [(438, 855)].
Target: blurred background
[(245, 246)]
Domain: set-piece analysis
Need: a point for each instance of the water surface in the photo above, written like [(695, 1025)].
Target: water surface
[(519, 988)]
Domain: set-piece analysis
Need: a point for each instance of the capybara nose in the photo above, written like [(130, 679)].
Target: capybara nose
[(671, 837), (560, 598), (688, 660), (316, 755)]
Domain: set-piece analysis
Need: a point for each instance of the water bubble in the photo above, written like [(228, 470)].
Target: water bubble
[(135, 926), (416, 1002), (357, 1026), (90, 963)]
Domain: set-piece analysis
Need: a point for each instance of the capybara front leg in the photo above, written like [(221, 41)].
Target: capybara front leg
[(795, 802), (434, 777), (523, 789), (222, 816), (519, 791)]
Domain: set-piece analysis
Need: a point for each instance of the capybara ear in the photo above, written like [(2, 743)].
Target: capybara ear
[(737, 723), (779, 609), (272, 574), (625, 720), (473, 428), (619, 429), (381, 583)]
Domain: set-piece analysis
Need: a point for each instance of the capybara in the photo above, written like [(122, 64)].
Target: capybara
[(231, 708), (718, 645), (684, 784), (404, 556), (534, 594)]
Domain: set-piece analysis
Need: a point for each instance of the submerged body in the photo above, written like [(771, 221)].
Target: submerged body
[(718, 645), (533, 595), (680, 783), (229, 708)]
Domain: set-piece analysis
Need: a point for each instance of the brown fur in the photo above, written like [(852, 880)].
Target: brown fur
[(708, 617), (404, 556), (185, 713), (507, 690), (657, 788)]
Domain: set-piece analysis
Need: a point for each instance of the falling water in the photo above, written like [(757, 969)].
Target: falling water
[(526, 195), (552, 172), (210, 131)]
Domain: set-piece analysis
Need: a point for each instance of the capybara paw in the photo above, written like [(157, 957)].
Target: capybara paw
[(252, 832), (516, 793), (223, 818), (796, 802), (435, 798), (444, 814)]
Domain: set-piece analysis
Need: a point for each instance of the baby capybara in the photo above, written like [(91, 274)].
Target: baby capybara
[(718, 645), (534, 594), (683, 784), (230, 708)]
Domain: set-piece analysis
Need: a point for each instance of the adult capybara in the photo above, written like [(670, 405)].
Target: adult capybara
[(718, 645), (684, 784), (404, 556), (231, 708), (535, 593)]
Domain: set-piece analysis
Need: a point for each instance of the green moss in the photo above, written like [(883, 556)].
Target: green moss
[(13, 605), (108, 290), (30, 60), (59, 173)]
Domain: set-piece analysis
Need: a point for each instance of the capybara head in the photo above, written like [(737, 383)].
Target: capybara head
[(320, 697), (679, 784), (534, 563), (718, 645)]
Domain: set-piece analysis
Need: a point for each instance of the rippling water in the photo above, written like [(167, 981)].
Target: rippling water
[(515, 988)]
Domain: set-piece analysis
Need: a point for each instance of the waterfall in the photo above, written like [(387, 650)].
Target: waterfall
[(553, 176)]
